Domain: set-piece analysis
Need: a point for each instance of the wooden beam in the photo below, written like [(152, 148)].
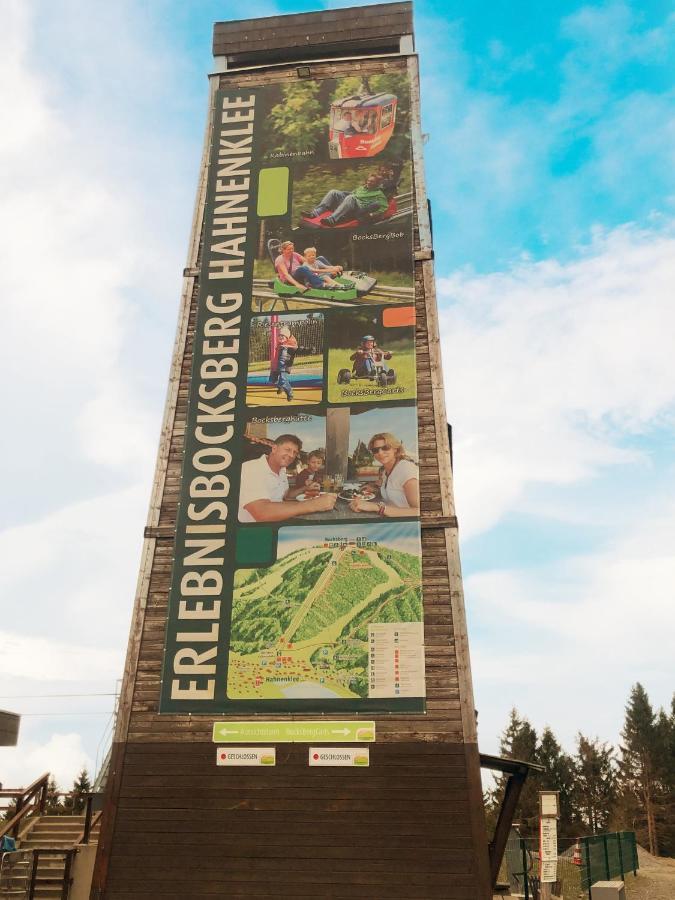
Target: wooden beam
[(507, 811)]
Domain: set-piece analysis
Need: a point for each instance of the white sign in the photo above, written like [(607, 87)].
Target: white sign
[(548, 849), (396, 658), (246, 756), (548, 802), (339, 756)]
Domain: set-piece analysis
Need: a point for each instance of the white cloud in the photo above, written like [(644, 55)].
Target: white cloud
[(49, 659), (63, 755), (84, 238), (70, 576), (552, 368), (575, 635), (559, 388)]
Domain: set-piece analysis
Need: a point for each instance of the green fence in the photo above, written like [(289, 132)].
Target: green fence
[(581, 863), (606, 856)]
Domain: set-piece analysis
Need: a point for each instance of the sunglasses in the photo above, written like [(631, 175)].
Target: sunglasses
[(381, 447)]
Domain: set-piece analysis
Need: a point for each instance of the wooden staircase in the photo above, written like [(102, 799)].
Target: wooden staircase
[(48, 833), (46, 845)]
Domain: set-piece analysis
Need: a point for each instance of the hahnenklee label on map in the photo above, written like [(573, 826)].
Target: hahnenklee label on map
[(246, 756), (339, 756), (396, 659), (324, 732)]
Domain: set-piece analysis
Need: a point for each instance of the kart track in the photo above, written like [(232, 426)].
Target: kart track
[(380, 295)]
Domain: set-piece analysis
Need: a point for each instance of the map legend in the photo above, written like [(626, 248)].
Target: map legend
[(396, 659)]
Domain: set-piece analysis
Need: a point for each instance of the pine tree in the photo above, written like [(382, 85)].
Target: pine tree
[(639, 760), (9, 811), (665, 766), (595, 790), (558, 776), (519, 741), (53, 806), (81, 787)]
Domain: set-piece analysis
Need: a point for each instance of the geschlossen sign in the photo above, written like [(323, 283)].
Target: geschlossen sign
[(297, 584)]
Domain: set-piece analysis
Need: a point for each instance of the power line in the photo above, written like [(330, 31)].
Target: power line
[(49, 696), (73, 715)]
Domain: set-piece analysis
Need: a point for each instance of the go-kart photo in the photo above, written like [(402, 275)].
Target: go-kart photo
[(373, 368), (352, 285)]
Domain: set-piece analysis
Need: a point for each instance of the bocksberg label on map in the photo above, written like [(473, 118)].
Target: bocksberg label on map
[(297, 583)]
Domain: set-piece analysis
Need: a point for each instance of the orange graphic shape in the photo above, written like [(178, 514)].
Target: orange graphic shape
[(398, 316)]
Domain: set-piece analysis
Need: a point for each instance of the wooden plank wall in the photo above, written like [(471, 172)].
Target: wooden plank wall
[(411, 825), (316, 31)]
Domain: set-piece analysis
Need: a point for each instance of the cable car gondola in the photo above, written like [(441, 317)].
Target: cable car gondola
[(361, 125)]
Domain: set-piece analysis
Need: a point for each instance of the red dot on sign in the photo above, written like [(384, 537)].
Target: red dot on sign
[(223, 755), (316, 756)]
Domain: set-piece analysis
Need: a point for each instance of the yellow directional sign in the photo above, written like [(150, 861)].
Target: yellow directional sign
[(324, 732)]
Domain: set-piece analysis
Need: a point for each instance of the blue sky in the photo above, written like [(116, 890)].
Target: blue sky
[(550, 170)]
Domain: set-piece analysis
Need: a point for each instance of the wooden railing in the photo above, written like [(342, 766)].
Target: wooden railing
[(31, 800)]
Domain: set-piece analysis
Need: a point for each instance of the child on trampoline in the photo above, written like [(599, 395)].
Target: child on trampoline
[(287, 346)]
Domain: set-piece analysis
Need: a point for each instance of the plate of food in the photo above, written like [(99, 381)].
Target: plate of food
[(302, 497), (355, 491)]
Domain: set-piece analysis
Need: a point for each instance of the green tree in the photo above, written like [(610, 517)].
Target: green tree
[(558, 776), (9, 811), (78, 799), (596, 783), (640, 762), (518, 741), (665, 765), (53, 806), (298, 121)]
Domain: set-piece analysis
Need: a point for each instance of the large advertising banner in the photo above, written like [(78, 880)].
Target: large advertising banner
[(297, 581)]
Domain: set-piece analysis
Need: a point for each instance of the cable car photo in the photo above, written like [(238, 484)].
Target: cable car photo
[(361, 125)]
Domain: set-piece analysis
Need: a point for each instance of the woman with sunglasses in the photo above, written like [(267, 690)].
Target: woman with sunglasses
[(399, 485)]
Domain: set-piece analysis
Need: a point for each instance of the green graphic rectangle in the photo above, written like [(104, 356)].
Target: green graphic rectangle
[(273, 191)]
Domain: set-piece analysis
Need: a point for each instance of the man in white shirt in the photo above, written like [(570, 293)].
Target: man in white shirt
[(265, 495)]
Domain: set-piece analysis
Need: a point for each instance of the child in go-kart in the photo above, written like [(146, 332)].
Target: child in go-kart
[(293, 269), (368, 357), (319, 264)]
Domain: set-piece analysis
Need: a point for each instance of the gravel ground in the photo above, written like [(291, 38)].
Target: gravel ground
[(655, 879)]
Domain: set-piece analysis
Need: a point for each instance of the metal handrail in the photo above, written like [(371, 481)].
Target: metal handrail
[(8, 874)]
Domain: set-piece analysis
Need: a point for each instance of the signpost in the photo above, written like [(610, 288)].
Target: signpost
[(548, 841)]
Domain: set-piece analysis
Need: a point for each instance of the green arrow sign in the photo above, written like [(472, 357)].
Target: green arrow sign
[(293, 732)]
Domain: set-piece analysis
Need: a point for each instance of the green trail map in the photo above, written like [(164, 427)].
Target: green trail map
[(300, 627)]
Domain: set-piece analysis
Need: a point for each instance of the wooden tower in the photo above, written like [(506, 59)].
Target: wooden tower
[(411, 824)]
